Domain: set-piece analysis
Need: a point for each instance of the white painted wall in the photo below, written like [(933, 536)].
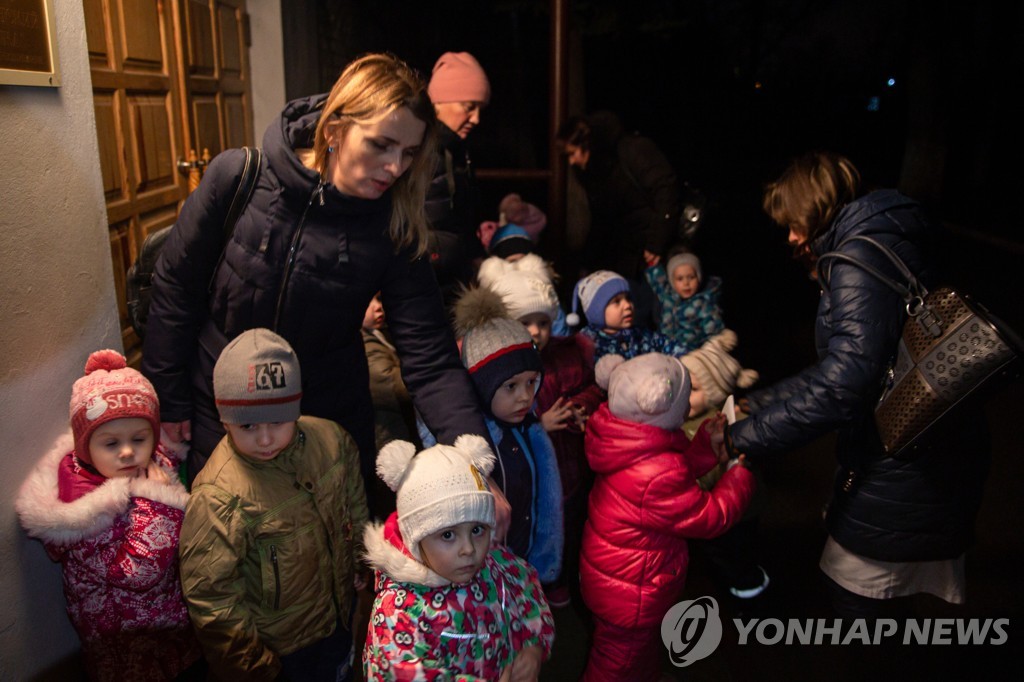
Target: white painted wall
[(266, 64), (56, 306)]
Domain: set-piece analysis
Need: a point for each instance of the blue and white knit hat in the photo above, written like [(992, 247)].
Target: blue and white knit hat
[(510, 239), (595, 291)]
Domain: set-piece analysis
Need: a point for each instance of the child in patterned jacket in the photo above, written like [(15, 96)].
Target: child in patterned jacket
[(605, 299), (690, 312), (107, 503), (450, 604)]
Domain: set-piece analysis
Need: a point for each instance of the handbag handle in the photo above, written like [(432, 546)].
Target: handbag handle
[(913, 292)]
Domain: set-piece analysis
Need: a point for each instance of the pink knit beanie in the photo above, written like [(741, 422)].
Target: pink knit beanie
[(110, 390), (458, 77)]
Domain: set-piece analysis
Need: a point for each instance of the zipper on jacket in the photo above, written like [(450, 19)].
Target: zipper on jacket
[(277, 577), (293, 248)]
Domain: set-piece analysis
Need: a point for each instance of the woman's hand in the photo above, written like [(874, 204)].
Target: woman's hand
[(155, 472), (557, 418), (177, 432), (651, 259), (526, 665)]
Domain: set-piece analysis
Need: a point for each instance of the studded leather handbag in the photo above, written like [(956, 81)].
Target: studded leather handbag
[(952, 350)]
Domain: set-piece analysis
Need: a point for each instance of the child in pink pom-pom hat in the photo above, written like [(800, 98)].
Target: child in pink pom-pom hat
[(107, 503)]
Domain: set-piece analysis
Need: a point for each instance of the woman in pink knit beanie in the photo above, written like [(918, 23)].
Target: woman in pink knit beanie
[(459, 90)]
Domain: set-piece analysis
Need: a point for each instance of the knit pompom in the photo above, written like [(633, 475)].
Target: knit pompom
[(605, 366), (477, 306), (393, 460), (107, 360), (572, 319), (747, 378), (725, 339), (480, 453)]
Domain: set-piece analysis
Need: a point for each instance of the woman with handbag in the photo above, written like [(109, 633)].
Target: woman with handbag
[(897, 527), (336, 216)]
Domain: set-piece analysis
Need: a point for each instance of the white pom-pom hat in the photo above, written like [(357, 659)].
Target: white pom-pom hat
[(438, 488)]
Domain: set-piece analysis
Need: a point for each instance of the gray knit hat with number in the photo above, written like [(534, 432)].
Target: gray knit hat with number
[(257, 380)]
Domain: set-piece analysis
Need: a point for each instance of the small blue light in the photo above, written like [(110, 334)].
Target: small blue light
[(891, 82), (873, 103)]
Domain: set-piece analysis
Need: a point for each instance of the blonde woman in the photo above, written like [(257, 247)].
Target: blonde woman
[(336, 216)]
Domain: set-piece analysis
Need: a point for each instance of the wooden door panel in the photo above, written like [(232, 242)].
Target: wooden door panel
[(122, 254), (141, 36), (202, 58), (150, 134), (206, 117), (231, 58), (107, 135), (236, 117), (96, 33)]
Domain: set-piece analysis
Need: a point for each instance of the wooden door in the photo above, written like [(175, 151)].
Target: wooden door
[(215, 65), (168, 77)]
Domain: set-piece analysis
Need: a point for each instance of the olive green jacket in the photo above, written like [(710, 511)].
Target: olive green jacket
[(270, 550)]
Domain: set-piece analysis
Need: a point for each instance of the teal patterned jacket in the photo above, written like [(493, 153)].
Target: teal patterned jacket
[(691, 321)]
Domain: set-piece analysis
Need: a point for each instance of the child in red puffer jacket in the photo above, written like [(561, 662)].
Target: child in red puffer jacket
[(644, 504)]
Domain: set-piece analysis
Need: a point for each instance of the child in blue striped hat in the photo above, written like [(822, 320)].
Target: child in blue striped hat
[(605, 298)]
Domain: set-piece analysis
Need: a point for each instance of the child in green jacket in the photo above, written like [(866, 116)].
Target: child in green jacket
[(270, 544)]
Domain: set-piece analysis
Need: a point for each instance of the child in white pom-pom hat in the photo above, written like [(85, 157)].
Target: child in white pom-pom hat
[(450, 604), (644, 505), (605, 298), (107, 503)]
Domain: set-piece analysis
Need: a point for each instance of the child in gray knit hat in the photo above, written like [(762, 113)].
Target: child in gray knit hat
[(271, 539), (690, 311)]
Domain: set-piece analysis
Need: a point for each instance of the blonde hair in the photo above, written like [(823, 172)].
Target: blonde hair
[(370, 88), (811, 191)]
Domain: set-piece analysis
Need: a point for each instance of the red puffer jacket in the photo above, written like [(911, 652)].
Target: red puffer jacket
[(644, 504)]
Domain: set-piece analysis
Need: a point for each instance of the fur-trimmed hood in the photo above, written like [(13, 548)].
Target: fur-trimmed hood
[(46, 517), (386, 552)]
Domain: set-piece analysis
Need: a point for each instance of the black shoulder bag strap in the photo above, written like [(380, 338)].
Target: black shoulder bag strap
[(913, 292), (246, 185)]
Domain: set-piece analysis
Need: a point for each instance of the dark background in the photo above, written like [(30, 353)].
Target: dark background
[(731, 90)]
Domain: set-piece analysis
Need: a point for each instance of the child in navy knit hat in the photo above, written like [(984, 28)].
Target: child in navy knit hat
[(605, 298), (506, 369)]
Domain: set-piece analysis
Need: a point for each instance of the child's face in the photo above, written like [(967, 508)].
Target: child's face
[(122, 448), (698, 399), (514, 398), (684, 280), (539, 326), (457, 553), (261, 441), (374, 317), (618, 314)]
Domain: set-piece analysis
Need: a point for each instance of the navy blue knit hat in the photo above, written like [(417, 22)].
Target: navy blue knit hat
[(495, 347), (510, 239)]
